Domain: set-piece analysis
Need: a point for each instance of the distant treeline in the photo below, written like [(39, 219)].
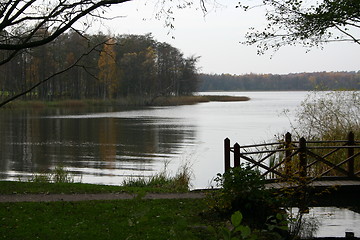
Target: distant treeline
[(274, 82), (113, 67)]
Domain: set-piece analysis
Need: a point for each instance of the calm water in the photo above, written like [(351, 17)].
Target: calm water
[(105, 145)]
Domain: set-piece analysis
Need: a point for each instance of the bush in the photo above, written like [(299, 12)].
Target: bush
[(243, 189), (242, 182), (328, 115)]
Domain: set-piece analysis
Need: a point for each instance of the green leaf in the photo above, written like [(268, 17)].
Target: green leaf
[(253, 237), (236, 218), (226, 233), (271, 227), (279, 216), (285, 227), (211, 229), (246, 231)]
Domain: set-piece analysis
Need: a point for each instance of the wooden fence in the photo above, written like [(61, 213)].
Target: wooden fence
[(300, 159)]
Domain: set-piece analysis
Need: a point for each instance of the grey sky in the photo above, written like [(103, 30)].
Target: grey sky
[(216, 36)]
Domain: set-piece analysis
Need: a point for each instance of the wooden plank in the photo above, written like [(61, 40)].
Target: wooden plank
[(339, 183)]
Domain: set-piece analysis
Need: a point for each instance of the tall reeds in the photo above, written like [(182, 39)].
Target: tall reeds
[(328, 116)]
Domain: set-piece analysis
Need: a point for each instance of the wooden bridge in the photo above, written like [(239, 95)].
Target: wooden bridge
[(320, 166)]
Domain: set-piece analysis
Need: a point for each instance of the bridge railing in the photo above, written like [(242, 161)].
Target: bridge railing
[(298, 159)]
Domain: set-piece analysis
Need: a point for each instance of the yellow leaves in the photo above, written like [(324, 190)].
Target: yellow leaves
[(107, 67), (107, 56), (70, 58)]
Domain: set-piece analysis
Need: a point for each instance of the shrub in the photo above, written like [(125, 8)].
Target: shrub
[(243, 189), (328, 115), (276, 228), (242, 182)]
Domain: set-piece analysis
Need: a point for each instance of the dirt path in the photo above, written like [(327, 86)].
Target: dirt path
[(88, 197)]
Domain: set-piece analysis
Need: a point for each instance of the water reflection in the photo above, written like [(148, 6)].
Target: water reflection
[(38, 141), (331, 222), (138, 138)]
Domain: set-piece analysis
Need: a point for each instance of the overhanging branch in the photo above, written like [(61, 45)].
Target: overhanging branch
[(75, 64)]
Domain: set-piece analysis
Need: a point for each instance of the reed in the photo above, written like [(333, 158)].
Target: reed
[(125, 101), (58, 175), (328, 116), (180, 182)]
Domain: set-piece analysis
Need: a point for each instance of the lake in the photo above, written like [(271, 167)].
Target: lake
[(106, 145)]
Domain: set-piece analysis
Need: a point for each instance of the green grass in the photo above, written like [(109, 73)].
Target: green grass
[(114, 219), (9, 187), (61, 181), (124, 219), (137, 218)]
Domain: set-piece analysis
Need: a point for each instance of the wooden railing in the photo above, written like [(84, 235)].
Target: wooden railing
[(298, 159)]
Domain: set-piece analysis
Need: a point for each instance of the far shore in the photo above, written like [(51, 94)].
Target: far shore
[(159, 101)]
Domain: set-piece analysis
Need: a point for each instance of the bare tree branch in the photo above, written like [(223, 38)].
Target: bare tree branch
[(74, 64), (28, 41), (292, 22), (28, 24)]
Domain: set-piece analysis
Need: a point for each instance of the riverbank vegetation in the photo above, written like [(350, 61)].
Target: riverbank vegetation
[(328, 115), (125, 102), (328, 121), (138, 218), (113, 219), (60, 180), (28, 187)]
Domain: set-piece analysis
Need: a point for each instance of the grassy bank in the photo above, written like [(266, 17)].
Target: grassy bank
[(124, 219), (61, 181), (116, 219), (10, 187), (137, 218), (160, 101)]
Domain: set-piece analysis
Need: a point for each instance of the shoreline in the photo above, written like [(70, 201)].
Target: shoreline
[(123, 102)]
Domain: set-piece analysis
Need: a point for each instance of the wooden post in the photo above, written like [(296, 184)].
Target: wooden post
[(303, 173), (227, 153), (288, 152), (302, 157), (236, 155), (351, 142), (349, 235)]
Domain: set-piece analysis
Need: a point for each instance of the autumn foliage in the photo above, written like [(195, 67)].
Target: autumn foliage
[(113, 67)]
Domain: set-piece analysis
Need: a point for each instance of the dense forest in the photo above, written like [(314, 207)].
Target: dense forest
[(106, 67), (274, 82), (103, 68)]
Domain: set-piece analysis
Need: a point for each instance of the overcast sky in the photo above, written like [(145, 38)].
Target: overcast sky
[(216, 39)]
